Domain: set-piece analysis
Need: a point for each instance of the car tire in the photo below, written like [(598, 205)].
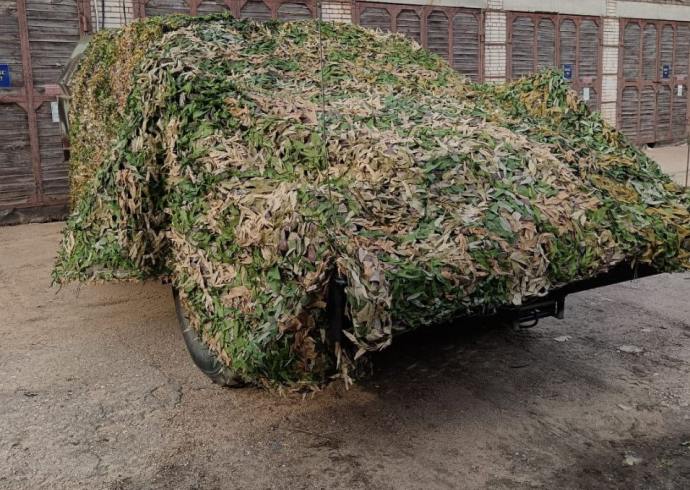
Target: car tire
[(200, 353)]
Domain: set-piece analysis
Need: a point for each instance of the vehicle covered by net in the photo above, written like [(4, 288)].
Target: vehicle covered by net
[(221, 155)]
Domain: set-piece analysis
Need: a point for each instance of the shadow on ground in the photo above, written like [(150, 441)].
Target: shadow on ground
[(97, 391)]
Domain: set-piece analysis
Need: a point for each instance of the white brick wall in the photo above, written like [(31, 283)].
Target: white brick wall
[(609, 82), (495, 31), (611, 8), (337, 11), (610, 60), (495, 27), (609, 111), (611, 31), (495, 63), (609, 88)]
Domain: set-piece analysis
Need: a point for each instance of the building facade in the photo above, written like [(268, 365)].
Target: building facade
[(629, 59)]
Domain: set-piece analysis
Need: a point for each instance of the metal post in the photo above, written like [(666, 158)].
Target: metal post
[(30, 106), (687, 163)]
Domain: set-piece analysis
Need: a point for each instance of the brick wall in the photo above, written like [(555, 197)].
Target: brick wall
[(609, 83), (337, 11), (495, 30)]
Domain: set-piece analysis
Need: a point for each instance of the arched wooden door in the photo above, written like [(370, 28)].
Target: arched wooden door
[(570, 43), (455, 34), (258, 10), (653, 80), (37, 38)]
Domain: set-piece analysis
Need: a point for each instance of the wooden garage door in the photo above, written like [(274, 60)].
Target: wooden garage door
[(245, 9), (570, 43), (455, 34), (37, 38), (654, 62)]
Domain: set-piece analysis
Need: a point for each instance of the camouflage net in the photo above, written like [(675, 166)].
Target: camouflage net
[(197, 156)]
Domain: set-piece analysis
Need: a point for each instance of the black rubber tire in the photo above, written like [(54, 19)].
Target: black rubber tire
[(202, 356)]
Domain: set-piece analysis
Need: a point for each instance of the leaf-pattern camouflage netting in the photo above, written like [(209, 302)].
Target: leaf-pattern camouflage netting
[(197, 155)]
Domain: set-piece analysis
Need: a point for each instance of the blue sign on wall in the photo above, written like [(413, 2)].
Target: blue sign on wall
[(568, 72), (666, 72), (4, 75)]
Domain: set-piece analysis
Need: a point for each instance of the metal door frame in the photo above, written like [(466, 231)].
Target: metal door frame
[(30, 99), (640, 84), (423, 12), (234, 6), (557, 19)]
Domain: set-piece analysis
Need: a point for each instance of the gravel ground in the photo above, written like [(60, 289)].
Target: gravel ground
[(97, 391)]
